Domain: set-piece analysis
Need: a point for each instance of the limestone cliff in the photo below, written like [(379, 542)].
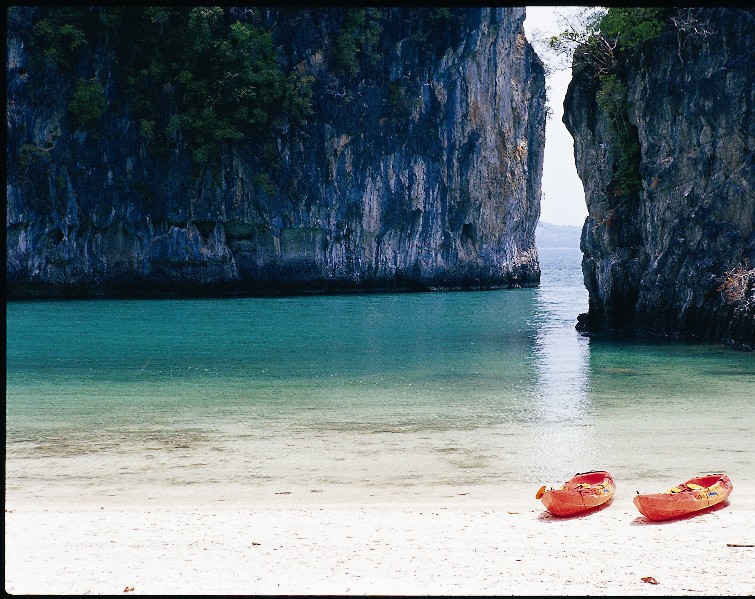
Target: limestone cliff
[(440, 189), (676, 258)]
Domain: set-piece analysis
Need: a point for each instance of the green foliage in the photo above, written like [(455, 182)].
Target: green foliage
[(263, 180), (593, 41), (357, 41), (88, 103), (626, 28), (435, 28), (611, 96), (632, 26), (440, 17), (59, 37), (204, 27), (578, 38), (31, 153), (147, 131), (594, 35), (297, 97), (627, 179), (111, 17), (398, 104), (191, 74), (612, 99), (223, 80), (346, 54), (396, 96)]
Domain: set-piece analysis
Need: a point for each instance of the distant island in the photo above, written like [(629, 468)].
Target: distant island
[(552, 236)]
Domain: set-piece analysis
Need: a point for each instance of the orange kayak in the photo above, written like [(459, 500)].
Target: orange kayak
[(582, 492), (691, 496)]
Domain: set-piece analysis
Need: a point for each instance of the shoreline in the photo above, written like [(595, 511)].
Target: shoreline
[(312, 545)]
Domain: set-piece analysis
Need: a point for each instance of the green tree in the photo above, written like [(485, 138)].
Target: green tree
[(88, 103), (632, 26), (59, 37), (221, 80), (358, 39), (593, 35)]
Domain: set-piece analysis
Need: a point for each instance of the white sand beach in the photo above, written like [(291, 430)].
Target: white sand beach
[(304, 543)]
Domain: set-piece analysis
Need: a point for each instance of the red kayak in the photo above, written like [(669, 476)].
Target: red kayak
[(689, 497), (582, 492)]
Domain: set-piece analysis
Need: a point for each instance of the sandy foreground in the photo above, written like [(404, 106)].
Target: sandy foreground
[(310, 545)]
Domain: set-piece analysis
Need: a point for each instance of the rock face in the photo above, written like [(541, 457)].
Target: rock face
[(445, 196), (676, 259)]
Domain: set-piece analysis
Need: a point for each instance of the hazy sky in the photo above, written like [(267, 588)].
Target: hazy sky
[(563, 197)]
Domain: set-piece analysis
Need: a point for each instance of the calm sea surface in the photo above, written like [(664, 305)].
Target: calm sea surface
[(405, 395)]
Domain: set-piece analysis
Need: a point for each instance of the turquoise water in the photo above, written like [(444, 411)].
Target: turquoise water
[(359, 395)]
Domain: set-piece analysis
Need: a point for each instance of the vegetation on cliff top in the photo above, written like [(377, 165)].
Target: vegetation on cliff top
[(595, 36), (594, 42), (204, 74), (204, 77)]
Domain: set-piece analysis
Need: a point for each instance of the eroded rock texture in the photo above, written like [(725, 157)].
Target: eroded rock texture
[(443, 195), (676, 259)]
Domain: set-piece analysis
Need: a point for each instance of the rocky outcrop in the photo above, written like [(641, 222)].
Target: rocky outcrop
[(446, 195), (677, 258)]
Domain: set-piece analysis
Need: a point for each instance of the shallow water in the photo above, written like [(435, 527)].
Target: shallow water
[(398, 395)]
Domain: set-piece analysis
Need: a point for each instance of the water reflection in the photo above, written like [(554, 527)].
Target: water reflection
[(564, 440), (562, 354), (562, 375)]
